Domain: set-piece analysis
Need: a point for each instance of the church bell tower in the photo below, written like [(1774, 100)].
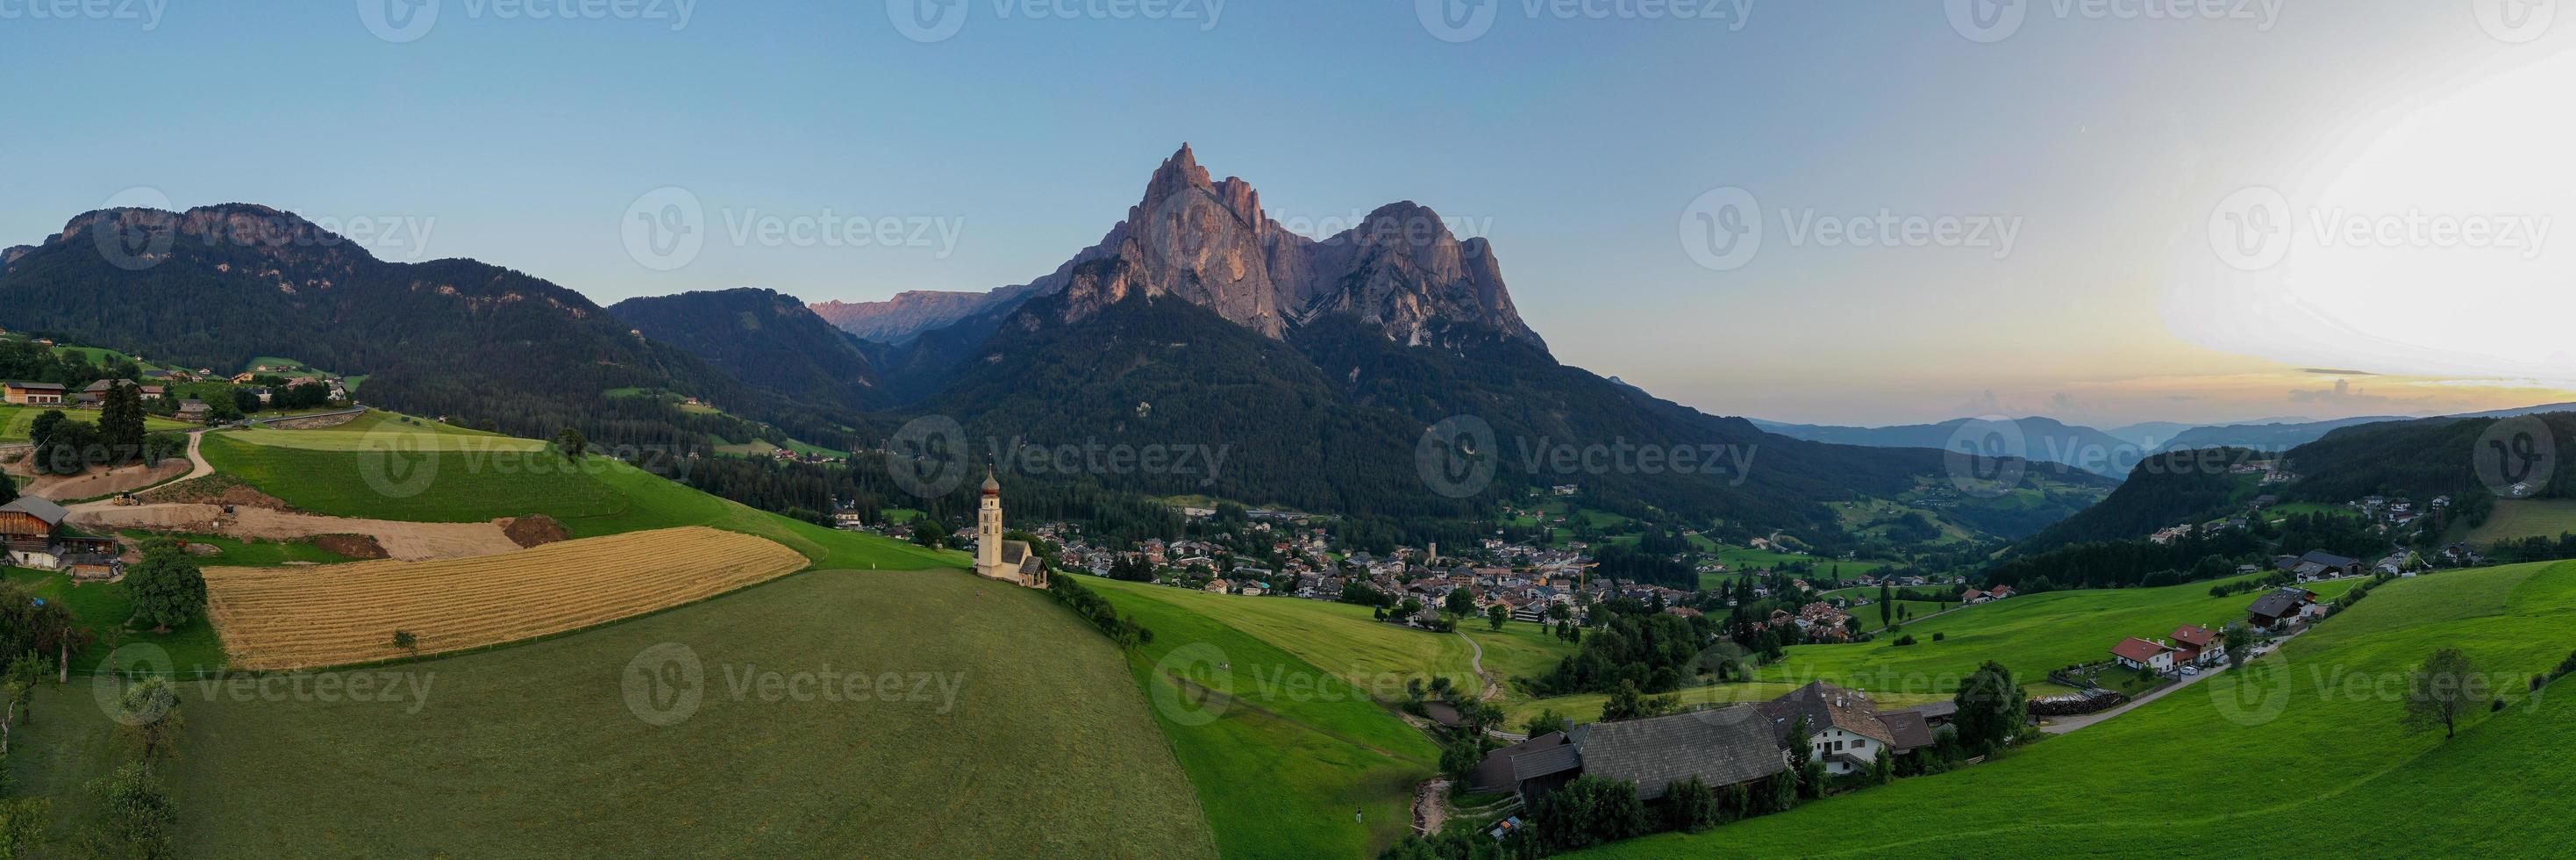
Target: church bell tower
[(988, 531)]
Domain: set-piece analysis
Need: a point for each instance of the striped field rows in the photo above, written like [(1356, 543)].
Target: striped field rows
[(311, 617)]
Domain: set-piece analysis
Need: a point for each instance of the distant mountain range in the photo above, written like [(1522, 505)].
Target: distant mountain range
[(218, 286), (1315, 366), (2115, 452)]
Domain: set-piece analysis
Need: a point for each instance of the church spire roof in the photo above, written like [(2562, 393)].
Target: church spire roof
[(991, 487)]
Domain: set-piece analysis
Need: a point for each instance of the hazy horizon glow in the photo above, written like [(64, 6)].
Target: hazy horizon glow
[(1956, 218)]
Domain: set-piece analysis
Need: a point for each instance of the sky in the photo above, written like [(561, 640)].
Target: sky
[(1865, 212)]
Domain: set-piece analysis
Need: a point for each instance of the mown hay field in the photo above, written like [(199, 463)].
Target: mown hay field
[(309, 617)]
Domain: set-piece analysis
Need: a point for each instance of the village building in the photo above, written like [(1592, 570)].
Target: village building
[(2279, 606), (31, 529), (2195, 645), (1845, 730), (1006, 560), (32, 393), (2137, 653), (1722, 747)]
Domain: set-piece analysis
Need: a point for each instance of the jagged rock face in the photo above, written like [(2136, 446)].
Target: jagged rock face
[(1210, 243)]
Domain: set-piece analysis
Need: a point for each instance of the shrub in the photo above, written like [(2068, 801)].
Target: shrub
[(1907, 639), (1936, 637)]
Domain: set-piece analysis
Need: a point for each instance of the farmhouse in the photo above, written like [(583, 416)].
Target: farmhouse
[(1725, 746), (33, 393), (31, 529), (2278, 606), (2137, 653), (2195, 645), (1845, 729), (1499, 774)]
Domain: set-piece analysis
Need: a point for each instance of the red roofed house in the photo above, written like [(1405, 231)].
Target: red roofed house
[(2137, 653), (2195, 645), (2001, 592), (1971, 596)]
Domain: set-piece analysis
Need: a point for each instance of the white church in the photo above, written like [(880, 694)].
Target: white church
[(1006, 560)]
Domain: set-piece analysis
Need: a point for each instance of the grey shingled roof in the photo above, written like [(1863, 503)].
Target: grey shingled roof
[(1721, 746), (1826, 706), (1909, 729), (2277, 604), (1545, 762), (1496, 773), (41, 509)]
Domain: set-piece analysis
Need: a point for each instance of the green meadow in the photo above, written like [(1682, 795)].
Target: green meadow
[(599, 496), (2032, 634), (2301, 754), (2515, 519), (103, 607), (1290, 760), (1010, 729)]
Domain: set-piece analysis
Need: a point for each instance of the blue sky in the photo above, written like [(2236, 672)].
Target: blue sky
[(1576, 136)]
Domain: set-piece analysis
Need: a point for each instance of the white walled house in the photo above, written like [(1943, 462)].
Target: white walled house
[(2137, 653), (1845, 729)]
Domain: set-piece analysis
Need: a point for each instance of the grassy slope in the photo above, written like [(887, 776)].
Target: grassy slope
[(532, 750), (1283, 753), (104, 607), (2514, 519), (601, 497), (2325, 768), (2032, 634)]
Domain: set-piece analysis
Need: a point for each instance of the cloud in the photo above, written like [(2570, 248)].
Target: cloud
[(2327, 371), (2342, 394), (1985, 404)]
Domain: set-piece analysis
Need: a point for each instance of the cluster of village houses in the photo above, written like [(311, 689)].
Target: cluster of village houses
[(1728, 745), (154, 387)]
